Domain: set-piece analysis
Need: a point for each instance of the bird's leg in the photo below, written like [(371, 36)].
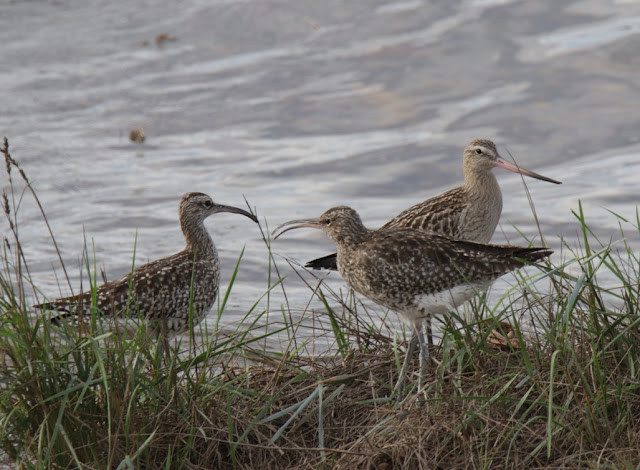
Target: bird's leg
[(405, 365), (429, 333), (424, 354)]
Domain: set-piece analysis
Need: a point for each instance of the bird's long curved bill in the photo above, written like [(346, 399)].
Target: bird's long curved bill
[(235, 210), (301, 223), (502, 163)]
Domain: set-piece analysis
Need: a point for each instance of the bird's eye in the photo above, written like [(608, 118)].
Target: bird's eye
[(208, 204), (327, 221), (479, 151)]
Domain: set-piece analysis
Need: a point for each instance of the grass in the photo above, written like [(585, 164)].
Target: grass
[(564, 393)]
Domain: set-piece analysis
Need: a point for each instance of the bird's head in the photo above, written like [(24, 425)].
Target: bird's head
[(195, 207), (481, 155), (341, 223)]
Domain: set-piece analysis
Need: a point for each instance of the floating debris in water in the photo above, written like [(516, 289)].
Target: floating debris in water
[(137, 135), (159, 40), (162, 38)]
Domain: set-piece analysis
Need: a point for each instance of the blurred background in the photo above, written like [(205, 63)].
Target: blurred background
[(301, 105)]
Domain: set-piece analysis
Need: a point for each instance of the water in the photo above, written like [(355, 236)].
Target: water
[(302, 105)]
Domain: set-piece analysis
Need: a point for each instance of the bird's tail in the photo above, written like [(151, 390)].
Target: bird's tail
[(66, 308), (532, 254)]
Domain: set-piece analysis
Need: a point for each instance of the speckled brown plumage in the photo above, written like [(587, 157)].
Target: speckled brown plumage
[(470, 212), (166, 289), (416, 273)]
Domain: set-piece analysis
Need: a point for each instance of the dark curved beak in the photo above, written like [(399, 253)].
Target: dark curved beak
[(234, 210), (311, 223), (502, 163)]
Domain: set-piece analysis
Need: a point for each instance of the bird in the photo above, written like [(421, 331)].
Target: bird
[(169, 291), (470, 212), (416, 273)]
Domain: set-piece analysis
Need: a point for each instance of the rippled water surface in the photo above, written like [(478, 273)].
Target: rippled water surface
[(302, 105)]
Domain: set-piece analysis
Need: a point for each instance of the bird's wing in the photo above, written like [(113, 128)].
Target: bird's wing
[(440, 214), (150, 292), (478, 261), (423, 261)]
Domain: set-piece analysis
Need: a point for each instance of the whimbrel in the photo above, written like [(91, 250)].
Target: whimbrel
[(470, 212), (416, 273), (168, 291)]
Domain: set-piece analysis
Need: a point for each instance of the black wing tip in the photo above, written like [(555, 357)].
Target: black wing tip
[(312, 264), (534, 253), (58, 312), (326, 262), (45, 306), (60, 317), (319, 266)]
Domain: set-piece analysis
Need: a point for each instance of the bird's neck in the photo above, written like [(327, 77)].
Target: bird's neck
[(198, 239), (348, 243), (482, 185), (351, 236)]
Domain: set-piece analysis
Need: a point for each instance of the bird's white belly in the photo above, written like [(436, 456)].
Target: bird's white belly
[(439, 303), (446, 300)]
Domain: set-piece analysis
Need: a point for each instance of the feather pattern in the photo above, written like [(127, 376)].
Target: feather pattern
[(420, 273), (415, 272), (169, 289)]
